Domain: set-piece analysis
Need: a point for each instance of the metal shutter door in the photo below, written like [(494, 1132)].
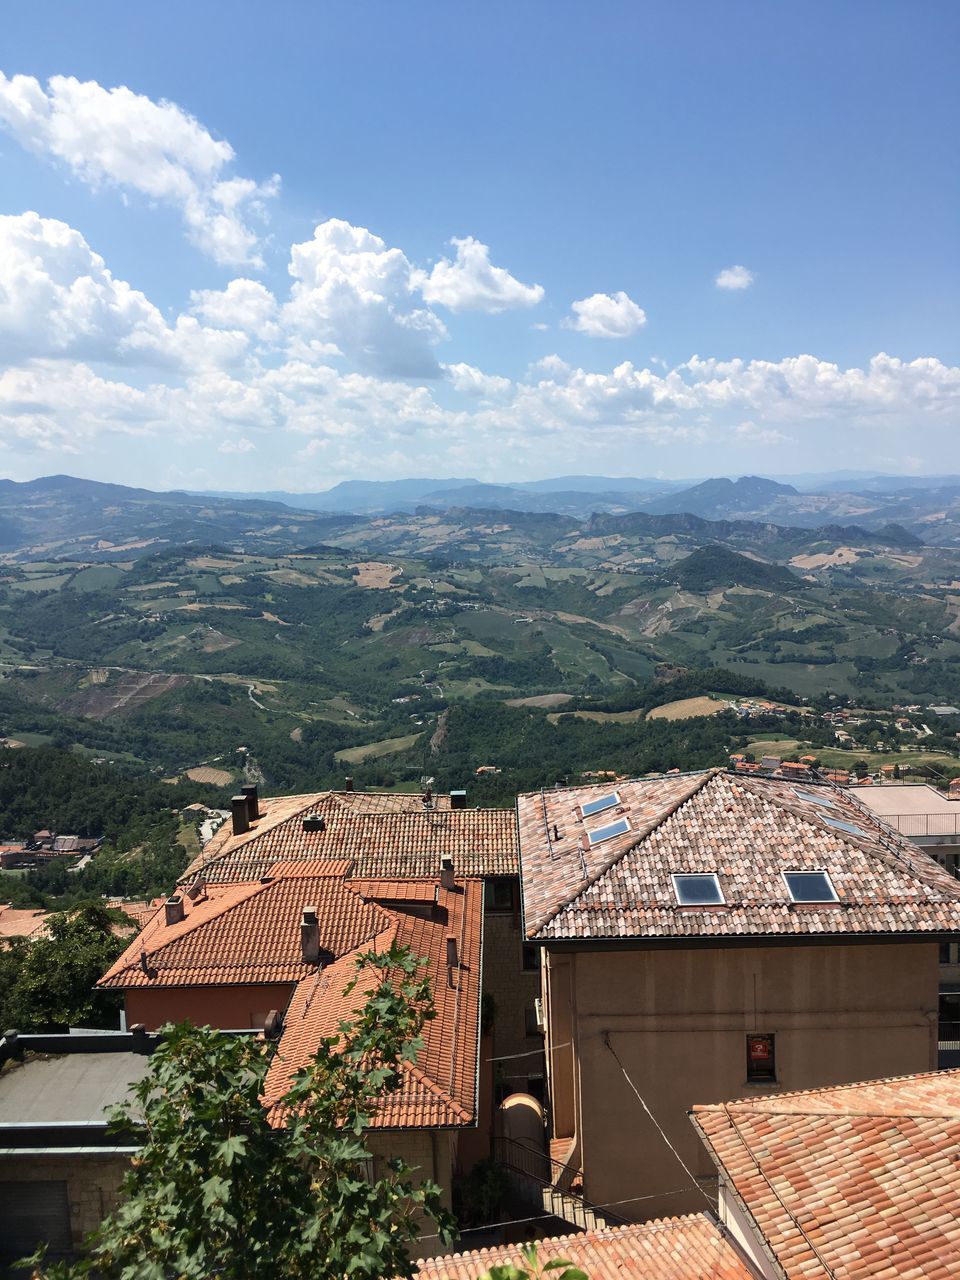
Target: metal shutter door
[(32, 1213)]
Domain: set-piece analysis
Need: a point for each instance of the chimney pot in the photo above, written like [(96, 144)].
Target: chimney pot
[(447, 873), (458, 799), (173, 909), (241, 815), (310, 936), (453, 959), (348, 784), (253, 802)]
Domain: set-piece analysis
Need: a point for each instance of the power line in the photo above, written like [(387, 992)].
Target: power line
[(656, 1123)]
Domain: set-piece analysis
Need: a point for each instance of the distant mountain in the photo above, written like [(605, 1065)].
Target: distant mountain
[(713, 567), (600, 484), (716, 499)]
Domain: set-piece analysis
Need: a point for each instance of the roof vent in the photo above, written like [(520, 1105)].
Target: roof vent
[(310, 936), (196, 889), (458, 799), (173, 909), (314, 822), (453, 959), (348, 784), (273, 1025)]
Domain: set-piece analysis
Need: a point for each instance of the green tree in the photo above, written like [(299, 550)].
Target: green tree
[(533, 1269), (52, 986), (216, 1190)]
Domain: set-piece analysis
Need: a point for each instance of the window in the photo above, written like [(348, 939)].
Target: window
[(601, 804), (811, 798), (844, 826), (499, 895), (618, 828), (810, 886), (698, 890), (761, 1059), (531, 957)]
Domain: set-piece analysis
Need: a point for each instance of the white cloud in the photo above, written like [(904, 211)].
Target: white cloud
[(58, 298), (473, 283), (470, 381), (351, 290), (243, 445), (607, 315), (243, 304), (737, 277), (124, 139)]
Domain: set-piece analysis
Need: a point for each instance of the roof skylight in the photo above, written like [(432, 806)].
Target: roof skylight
[(618, 828), (695, 890), (849, 827), (810, 886), (812, 798), (600, 804)]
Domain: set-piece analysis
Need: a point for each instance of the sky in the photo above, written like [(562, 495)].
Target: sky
[(250, 247)]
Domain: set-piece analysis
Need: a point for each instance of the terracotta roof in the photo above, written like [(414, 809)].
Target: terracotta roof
[(747, 831), (248, 933), (26, 922), (382, 833), (690, 1248), (849, 1183), (440, 1089)]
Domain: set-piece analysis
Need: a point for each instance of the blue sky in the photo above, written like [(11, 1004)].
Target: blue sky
[(283, 247)]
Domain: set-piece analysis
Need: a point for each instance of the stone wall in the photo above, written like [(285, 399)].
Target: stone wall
[(93, 1183)]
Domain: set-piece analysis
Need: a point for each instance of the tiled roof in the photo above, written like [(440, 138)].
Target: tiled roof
[(857, 1182), (382, 833), (746, 830), (690, 1248), (25, 922), (440, 1089), (248, 933)]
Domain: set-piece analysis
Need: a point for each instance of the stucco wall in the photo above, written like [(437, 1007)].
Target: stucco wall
[(514, 990), (678, 1019), (227, 1007)]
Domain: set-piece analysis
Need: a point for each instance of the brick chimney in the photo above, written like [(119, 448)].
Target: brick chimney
[(173, 909), (447, 874), (241, 815), (310, 936), (253, 802)]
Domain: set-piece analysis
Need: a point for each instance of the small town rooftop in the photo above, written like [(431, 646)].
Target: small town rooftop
[(717, 855), (69, 1088), (381, 833), (860, 1181), (689, 1248)]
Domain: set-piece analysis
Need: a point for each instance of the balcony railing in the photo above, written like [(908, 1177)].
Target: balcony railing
[(924, 824)]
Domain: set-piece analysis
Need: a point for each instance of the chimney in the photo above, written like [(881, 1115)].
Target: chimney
[(447, 875), (428, 799), (453, 960), (241, 815), (458, 799), (173, 909), (253, 802), (310, 936), (348, 784), (314, 822)]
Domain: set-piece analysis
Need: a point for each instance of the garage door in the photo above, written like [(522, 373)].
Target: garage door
[(34, 1213)]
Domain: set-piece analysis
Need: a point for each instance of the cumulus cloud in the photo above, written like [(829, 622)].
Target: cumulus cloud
[(737, 277), (125, 139), (350, 289), (470, 381), (243, 304), (243, 445), (606, 315), (473, 283)]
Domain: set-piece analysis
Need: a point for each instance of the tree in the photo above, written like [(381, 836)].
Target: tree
[(52, 987), (533, 1269), (217, 1190)]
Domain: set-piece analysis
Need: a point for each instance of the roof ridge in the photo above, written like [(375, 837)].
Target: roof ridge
[(437, 1089), (702, 778), (753, 1103)]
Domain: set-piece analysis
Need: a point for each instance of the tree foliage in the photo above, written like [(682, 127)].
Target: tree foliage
[(216, 1190)]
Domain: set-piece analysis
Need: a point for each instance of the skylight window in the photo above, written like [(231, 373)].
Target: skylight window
[(810, 886), (811, 798), (601, 804), (698, 890), (618, 828), (844, 826)]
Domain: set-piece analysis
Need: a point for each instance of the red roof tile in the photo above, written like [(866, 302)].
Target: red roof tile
[(747, 831), (857, 1182), (382, 833), (691, 1248)]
